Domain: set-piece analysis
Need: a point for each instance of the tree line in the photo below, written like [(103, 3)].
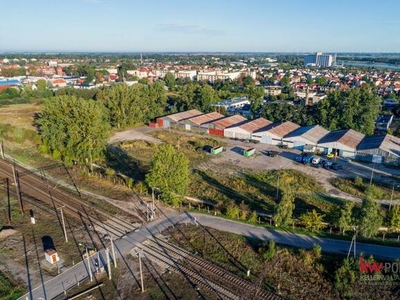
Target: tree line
[(76, 129)]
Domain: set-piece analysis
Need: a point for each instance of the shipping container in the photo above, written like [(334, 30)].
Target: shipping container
[(160, 122), (217, 149), (249, 152)]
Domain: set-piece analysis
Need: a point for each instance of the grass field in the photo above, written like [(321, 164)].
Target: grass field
[(260, 190), (359, 187)]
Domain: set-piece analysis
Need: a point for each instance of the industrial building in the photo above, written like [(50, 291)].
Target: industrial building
[(379, 149), (341, 142), (274, 133), (306, 137), (245, 131)]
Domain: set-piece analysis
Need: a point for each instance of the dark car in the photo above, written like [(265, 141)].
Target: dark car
[(271, 153), (336, 167)]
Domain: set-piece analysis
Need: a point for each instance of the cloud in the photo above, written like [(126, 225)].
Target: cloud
[(181, 28)]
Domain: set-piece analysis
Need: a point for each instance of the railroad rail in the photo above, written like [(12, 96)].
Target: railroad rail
[(219, 279), (35, 187)]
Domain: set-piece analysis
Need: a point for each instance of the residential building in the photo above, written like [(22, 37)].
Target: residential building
[(320, 60), (383, 122), (231, 105)]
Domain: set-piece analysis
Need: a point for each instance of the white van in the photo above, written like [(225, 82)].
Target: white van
[(316, 160)]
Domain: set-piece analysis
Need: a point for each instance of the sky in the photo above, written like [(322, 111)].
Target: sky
[(200, 26)]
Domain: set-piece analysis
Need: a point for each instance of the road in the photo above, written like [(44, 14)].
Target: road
[(69, 278)]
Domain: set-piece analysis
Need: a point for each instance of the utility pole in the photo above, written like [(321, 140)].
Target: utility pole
[(16, 183), (140, 269), (391, 196), (2, 150), (108, 263), (87, 261), (113, 252), (63, 223), (372, 175), (7, 199)]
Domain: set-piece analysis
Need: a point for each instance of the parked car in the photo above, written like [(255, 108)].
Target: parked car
[(330, 155), (336, 167), (316, 160), (271, 153), (327, 165)]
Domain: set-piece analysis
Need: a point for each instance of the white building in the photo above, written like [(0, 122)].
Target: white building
[(320, 60), (231, 105)]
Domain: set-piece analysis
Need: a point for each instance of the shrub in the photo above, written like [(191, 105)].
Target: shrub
[(358, 181), (317, 251), (271, 251)]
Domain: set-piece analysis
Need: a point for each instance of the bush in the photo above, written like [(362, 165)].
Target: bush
[(358, 181), (317, 251), (374, 192), (271, 251)]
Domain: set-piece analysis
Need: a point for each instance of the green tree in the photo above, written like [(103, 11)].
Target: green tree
[(345, 276), (41, 85), (76, 128), (204, 98), (256, 97), (285, 81), (169, 172), (232, 211), (345, 221), (312, 220), (394, 218), (284, 209), (170, 80), (369, 218), (253, 217)]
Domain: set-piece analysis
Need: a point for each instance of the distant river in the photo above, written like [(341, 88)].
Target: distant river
[(371, 65)]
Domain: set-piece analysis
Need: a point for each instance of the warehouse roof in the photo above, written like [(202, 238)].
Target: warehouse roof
[(229, 121), (280, 128), (386, 142), (206, 118), (256, 124), (348, 137), (184, 115), (312, 133)]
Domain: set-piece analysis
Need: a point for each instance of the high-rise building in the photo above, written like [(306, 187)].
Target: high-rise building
[(320, 60)]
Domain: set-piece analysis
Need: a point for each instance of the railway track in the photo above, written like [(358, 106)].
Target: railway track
[(154, 253), (218, 277), (35, 187)]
